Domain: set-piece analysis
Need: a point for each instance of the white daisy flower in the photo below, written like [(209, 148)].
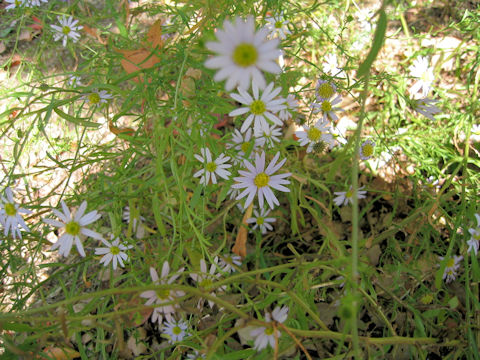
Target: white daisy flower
[(114, 251), (243, 54), (205, 279), (330, 66), (427, 107), (325, 90), (312, 135), (10, 217), (260, 179), (475, 133), (451, 267), (243, 143), (292, 106), (260, 108), (278, 26), (227, 261), (15, 4), (366, 149), (473, 243), (97, 97), (261, 220), (268, 136), (364, 17), (339, 134), (345, 197), (68, 29), (165, 299), (176, 330), (74, 81), (265, 335), (424, 72), (36, 2), (327, 107), (432, 183), (195, 355), (212, 167), (73, 227)]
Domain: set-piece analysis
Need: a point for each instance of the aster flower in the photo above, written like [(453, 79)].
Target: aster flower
[(243, 54), (36, 2), (432, 183), (260, 108), (330, 66), (163, 298), (114, 251), (364, 17), (427, 107), (473, 243), (195, 355), (327, 107), (73, 226), (345, 197), (424, 72), (68, 29), (292, 106), (74, 81), (265, 335), (261, 180), (97, 97), (268, 136), (243, 143), (312, 135), (475, 133), (366, 149), (227, 261), (261, 220), (325, 90), (278, 26), (176, 330), (205, 279), (10, 216), (15, 4), (451, 267), (212, 167)]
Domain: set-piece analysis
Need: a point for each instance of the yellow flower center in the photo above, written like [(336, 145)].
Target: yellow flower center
[(261, 180), (260, 220), (206, 283), (66, 30), (94, 98), (176, 330), (73, 228), (476, 235), (450, 263), (115, 250), (349, 194), (278, 24), (245, 55), (245, 147), (320, 146), (163, 294), (269, 331), (211, 166), (367, 150), (314, 134), (10, 209), (326, 90), (326, 106), (258, 107), (18, 3)]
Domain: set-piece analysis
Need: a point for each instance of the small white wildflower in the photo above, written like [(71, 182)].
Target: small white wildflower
[(364, 17), (424, 72), (265, 335), (292, 106), (176, 330), (205, 279), (74, 81), (10, 216), (427, 107), (325, 90), (268, 136), (97, 97), (113, 252), (36, 2), (227, 261), (345, 197), (328, 108), (451, 267), (432, 183), (473, 243), (15, 4), (260, 108), (277, 25), (195, 355), (68, 29), (312, 135), (366, 149), (243, 143), (163, 298), (243, 54), (73, 227), (261, 220), (330, 66), (212, 167), (259, 179), (475, 133)]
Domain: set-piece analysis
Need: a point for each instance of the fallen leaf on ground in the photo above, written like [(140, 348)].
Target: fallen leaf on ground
[(240, 247), (59, 353)]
